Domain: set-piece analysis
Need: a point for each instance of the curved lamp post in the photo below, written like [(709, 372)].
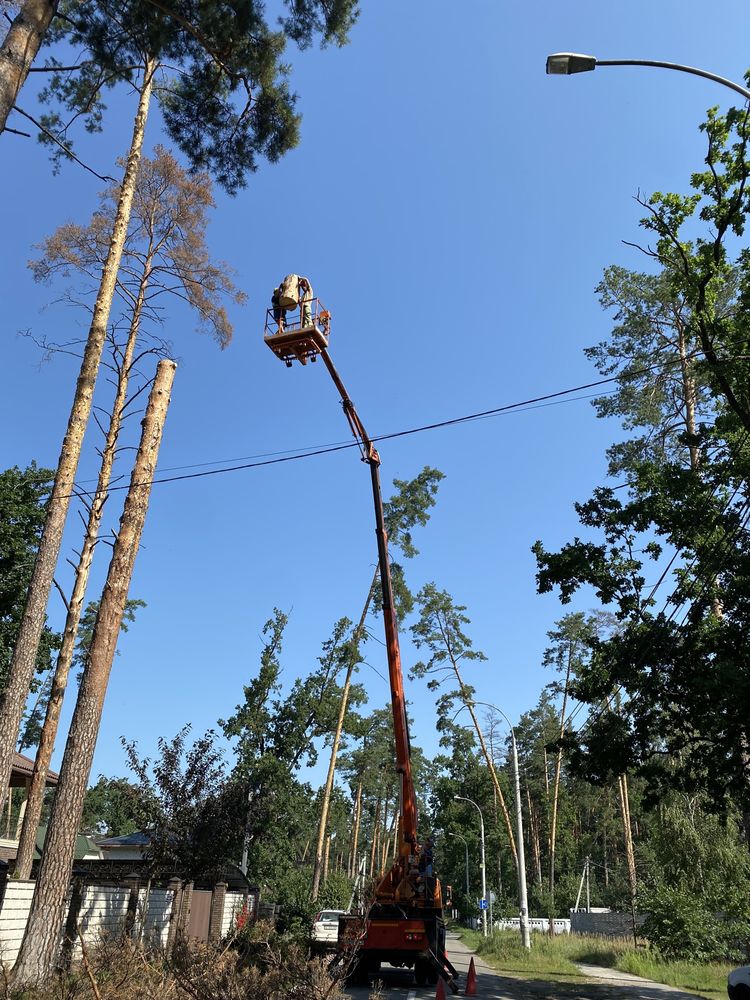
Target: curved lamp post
[(466, 850), (462, 798), (566, 63)]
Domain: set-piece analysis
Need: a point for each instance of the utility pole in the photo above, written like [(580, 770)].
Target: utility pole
[(588, 887)]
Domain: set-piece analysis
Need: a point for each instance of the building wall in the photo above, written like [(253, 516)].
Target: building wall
[(607, 924)]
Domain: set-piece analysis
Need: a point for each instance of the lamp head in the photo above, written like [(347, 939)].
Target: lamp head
[(565, 63)]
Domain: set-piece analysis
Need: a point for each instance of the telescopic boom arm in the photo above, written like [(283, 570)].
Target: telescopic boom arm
[(408, 799)]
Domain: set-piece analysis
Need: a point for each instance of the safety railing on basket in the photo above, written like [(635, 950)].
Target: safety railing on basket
[(309, 313)]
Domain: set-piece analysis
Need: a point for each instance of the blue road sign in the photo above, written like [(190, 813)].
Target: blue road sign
[(482, 904)]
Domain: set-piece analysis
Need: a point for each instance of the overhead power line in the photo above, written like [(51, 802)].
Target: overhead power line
[(525, 404)]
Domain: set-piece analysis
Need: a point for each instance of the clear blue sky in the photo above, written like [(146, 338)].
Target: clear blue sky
[(454, 207)]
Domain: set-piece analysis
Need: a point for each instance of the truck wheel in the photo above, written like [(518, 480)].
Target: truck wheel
[(420, 972)]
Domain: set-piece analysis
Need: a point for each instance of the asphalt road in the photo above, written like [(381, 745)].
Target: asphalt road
[(398, 984)]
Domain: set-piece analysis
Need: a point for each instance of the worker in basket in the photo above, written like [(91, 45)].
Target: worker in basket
[(294, 291)]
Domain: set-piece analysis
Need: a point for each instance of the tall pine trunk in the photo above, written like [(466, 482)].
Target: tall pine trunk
[(27, 843), (23, 663), (490, 763), (555, 798), (629, 852), (354, 865), (41, 941), (19, 50)]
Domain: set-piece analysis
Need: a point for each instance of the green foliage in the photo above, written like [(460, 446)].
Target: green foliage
[(86, 629), (23, 494), (291, 890), (440, 630), (111, 807), (335, 892), (682, 926), (192, 814), (686, 497), (223, 91)]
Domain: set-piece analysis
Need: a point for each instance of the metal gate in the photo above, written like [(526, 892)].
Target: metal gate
[(200, 915)]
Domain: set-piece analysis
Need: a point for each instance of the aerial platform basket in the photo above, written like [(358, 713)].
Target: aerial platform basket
[(299, 339)]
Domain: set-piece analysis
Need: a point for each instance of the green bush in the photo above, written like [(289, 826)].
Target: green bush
[(681, 926)]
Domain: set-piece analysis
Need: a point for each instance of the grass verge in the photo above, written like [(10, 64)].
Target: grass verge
[(555, 958)]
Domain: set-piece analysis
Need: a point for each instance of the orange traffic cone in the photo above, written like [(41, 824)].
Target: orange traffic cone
[(440, 995), (471, 980)]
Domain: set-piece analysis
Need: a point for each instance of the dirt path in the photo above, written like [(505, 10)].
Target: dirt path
[(605, 984)]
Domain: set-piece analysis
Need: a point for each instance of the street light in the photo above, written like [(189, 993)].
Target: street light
[(462, 798), (523, 901), (566, 63), (466, 849)]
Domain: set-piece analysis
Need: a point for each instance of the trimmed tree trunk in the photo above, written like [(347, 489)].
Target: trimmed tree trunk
[(555, 797), (536, 846), (23, 663), (326, 802), (41, 941), (375, 832), (19, 50), (629, 852), (354, 864), (27, 843), (490, 764)]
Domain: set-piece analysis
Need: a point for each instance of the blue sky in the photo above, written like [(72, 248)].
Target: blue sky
[(454, 208)]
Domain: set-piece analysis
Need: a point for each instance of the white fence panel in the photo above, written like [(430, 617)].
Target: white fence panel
[(560, 925), (13, 917), (233, 904), (102, 915), (158, 911)]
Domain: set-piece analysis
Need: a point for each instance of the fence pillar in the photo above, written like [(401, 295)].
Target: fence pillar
[(175, 887), (185, 907), (216, 917)]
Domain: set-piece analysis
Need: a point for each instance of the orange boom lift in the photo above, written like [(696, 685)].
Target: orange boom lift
[(405, 924)]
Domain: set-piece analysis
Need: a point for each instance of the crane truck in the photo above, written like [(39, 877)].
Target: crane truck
[(404, 924)]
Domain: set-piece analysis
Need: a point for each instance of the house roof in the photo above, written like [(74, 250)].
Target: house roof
[(137, 839), (84, 845), (23, 768)]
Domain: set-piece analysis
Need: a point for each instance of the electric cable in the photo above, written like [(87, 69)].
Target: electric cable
[(519, 406)]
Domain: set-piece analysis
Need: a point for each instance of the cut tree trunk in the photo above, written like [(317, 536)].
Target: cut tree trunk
[(19, 50), (555, 798), (23, 663), (375, 832), (41, 941), (327, 791), (354, 864), (27, 843), (629, 852), (490, 763)]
